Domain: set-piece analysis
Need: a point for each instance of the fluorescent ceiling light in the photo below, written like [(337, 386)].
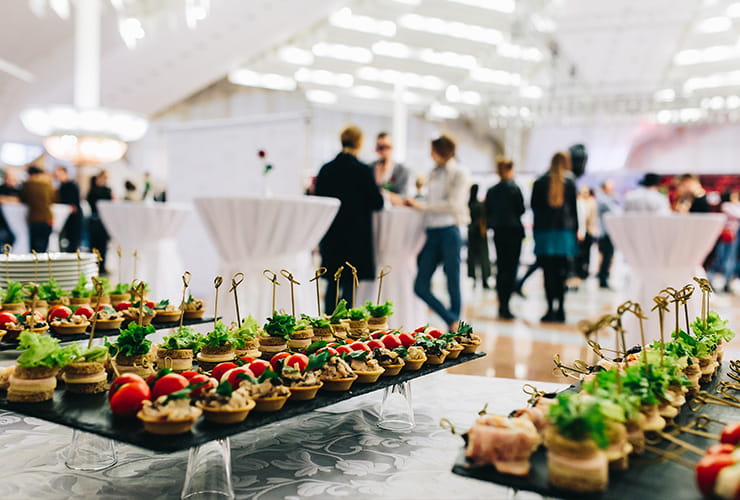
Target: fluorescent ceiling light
[(665, 95), (514, 51), (454, 94), (499, 77), (321, 96), (344, 52), (294, 55), (531, 92), (391, 49), (729, 79), (710, 54), (447, 58), (505, 6), (323, 77), (392, 77), (15, 153), (714, 24), (437, 110), (343, 18), (366, 92), (264, 80), (451, 28)]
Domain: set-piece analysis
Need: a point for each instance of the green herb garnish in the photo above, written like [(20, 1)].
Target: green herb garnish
[(132, 341), (122, 289), (81, 290), (97, 353), (183, 338), (220, 336), (379, 311), (579, 417), (51, 290), (13, 293), (358, 314), (280, 325), (43, 351), (340, 313), (316, 322)]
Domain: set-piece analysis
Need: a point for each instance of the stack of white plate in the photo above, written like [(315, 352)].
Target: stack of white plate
[(64, 267)]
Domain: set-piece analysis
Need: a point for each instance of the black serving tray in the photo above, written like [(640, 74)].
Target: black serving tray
[(648, 476), (91, 413), (102, 332)]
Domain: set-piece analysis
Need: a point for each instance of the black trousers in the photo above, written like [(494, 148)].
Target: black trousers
[(99, 239), (39, 233), (508, 244), (478, 255), (555, 269), (71, 234), (606, 248), (583, 261)]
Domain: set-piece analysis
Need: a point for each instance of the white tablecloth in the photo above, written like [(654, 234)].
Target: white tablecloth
[(662, 251), (337, 453), (253, 234), (15, 215), (398, 237), (150, 229)]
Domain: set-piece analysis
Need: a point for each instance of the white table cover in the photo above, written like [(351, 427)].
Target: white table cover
[(662, 251), (337, 453), (150, 229), (252, 234), (15, 215), (398, 236)]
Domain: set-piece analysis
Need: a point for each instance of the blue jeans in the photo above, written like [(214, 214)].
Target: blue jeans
[(726, 258), (442, 246)]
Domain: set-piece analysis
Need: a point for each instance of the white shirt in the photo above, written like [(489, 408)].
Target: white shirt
[(446, 200), (647, 201)]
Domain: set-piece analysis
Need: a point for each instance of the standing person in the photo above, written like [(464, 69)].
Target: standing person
[(588, 228), (38, 194), (69, 194), (390, 176), (555, 227), (727, 246), (646, 199), (477, 239), (350, 236), (444, 211), (99, 237), (606, 203), (9, 193), (504, 209)]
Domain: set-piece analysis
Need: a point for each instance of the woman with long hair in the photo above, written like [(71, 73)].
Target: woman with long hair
[(555, 226), (477, 240)]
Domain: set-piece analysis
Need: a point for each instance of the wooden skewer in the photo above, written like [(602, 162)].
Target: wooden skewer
[(337, 276), (48, 264), (273, 279), (316, 275), (289, 276), (119, 252), (216, 283), (135, 255), (79, 262), (384, 271), (237, 280), (185, 285), (98, 287), (355, 281), (683, 444), (35, 266), (661, 304), (6, 250)]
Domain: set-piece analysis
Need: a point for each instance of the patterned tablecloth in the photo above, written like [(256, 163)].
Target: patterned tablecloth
[(337, 452)]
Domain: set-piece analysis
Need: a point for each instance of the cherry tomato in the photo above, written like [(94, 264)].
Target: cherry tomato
[(377, 334), (222, 368), (232, 376), (200, 378), (334, 344), (406, 339), (299, 361), (152, 379), (434, 333), (245, 360), (332, 351), (707, 469), (421, 329), (359, 346), (58, 311), (7, 317), (190, 374), (127, 395), (122, 306), (720, 449), (258, 367), (149, 304), (391, 341), (172, 382), (730, 434), (274, 360), (85, 311), (103, 305), (375, 344), (343, 349)]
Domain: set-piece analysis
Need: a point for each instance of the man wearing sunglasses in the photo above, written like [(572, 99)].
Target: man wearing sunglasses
[(392, 177)]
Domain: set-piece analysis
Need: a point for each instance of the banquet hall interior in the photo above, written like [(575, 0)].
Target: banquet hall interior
[(193, 133)]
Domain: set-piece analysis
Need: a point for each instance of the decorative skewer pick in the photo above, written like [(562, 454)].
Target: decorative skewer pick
[(236, 280), (139, 289), (119, 252), (289, 276), (672, 293), (48, 264), (636, 309), (355, 281), (273, 279), (185, 285), (34, 296), (79, 262), (35, 266), (216, 284), (98, 257), (661, 304), (706, 291), (337, 276), (684, 295), (316, 275), (6, 250), (98, 289), (384, 271), (135, 255)]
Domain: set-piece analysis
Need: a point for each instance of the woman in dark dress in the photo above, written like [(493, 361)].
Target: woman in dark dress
[(504, 208), (555, 227), (350, 236), (99, 237), (477, 241)]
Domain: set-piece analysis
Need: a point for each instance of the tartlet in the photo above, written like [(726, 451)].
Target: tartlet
[(414, 359), (337, 375), (368, 370), (269, 395), (74, 325), (303, 385), (175, 416), (222, 409)]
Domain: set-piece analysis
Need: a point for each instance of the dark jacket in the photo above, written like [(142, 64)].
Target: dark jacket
[(97, 193), (552, 218), (504, 206), (350, 236)]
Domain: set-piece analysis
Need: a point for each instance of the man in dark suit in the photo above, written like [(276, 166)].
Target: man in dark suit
[(69, 194), (350, 236)]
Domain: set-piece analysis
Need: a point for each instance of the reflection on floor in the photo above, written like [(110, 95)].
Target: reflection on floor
[(524, 348)]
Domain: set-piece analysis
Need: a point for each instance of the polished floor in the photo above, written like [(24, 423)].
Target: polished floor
[(524, 348)]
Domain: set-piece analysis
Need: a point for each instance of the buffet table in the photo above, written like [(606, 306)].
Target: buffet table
[(150, 229), (252, 234), (334, 452), (662, 251), (15, 215)]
